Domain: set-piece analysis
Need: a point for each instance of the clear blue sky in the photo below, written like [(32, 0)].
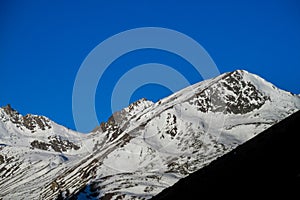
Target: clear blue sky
[(43, 43)]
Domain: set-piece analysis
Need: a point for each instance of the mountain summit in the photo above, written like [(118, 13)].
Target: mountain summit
[(141, 149)]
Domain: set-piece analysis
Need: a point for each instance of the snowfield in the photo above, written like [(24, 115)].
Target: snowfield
[(143, 148)]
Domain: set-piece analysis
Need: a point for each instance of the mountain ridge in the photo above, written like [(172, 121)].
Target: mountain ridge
[(143, 148)]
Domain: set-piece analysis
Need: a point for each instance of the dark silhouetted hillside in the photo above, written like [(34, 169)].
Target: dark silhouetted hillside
[(267, 165)]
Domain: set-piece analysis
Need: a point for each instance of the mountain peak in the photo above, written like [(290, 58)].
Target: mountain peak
[(8, 106), (10, 111), (235, 92), (240, 71), (117, 119), (138, 105), (29, 121)]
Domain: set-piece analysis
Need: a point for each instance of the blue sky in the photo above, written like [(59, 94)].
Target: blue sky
[(43, 43)]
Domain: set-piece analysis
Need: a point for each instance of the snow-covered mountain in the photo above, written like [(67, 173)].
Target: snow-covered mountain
[(142, 149)]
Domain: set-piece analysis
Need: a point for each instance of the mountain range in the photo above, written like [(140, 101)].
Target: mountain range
[(142, 149)]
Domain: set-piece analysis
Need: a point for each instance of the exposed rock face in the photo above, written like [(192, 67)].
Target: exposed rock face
[(56, 143), (30, 122), (1, 159), (232, 94)]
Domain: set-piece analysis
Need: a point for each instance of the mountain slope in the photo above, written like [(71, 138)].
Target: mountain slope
[(145, 147), (267, 165), (33, 150), (186, 131)]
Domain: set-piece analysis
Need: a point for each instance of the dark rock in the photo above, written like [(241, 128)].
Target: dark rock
[(1, 159)]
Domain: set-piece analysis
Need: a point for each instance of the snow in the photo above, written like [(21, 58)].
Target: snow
[(151, 148)]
